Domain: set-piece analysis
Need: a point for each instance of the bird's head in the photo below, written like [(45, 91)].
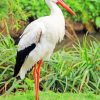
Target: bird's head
[(61, 2)]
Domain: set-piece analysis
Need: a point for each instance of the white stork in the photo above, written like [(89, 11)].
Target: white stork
[(39, 40)]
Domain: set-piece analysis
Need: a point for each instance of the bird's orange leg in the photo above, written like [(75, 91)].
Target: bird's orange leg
[(38, 75), (37, 78)]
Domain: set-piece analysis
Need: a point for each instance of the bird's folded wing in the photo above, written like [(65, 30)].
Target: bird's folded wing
[(27, 43)]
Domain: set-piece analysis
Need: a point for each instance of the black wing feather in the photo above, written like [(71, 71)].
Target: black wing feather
[(21, 56)]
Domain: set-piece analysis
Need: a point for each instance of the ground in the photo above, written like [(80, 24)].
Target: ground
[(51, 96)]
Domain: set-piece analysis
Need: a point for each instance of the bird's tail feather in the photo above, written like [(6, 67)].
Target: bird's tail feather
[(24, 71)]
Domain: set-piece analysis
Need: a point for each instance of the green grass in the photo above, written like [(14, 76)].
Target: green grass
[(76, 70), (51, 96)]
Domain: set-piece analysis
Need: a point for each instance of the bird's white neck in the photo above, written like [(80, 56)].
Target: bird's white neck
[(55, 10)]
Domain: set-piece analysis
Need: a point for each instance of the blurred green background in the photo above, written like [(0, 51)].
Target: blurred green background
[(73, 69)]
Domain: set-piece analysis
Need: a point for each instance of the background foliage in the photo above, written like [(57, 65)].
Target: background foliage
[(87, 10)]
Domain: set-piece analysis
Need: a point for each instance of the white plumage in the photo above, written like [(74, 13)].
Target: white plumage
[(44, 33)]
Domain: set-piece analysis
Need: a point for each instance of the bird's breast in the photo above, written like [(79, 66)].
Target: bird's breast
[(55, 31)]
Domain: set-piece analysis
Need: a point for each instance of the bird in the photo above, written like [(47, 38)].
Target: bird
[(38, 42)]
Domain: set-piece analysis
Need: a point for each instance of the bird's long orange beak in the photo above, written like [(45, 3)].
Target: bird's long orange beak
[(66, 7)]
